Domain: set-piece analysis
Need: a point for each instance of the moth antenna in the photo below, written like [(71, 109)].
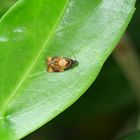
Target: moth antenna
[(73, 54)]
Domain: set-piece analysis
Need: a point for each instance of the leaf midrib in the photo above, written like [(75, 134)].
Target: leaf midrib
[(13, 94)]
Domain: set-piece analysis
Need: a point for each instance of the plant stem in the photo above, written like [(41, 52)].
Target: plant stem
[(127, 58)]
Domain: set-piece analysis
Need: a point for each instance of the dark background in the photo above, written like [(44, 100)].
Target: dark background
[(105, 109)]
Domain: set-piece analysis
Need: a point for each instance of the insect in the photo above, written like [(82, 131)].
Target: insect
[(60, 64)]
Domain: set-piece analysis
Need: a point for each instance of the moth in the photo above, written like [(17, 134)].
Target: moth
[(60, 64)]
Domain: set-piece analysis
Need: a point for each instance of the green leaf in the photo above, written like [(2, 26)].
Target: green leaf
[(5, 131), (4, 5), (33, 30), (132, 136)]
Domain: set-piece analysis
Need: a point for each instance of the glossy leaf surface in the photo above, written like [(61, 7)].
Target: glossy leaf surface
[(33, 30)]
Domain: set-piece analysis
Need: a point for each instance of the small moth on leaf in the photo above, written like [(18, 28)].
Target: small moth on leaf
[(60, 64)]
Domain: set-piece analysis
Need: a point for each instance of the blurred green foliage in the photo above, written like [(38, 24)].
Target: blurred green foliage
[(132, 136), (103, 109), (134, 27)]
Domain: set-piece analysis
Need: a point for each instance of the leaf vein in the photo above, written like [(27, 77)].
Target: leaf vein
[(5, 106)]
